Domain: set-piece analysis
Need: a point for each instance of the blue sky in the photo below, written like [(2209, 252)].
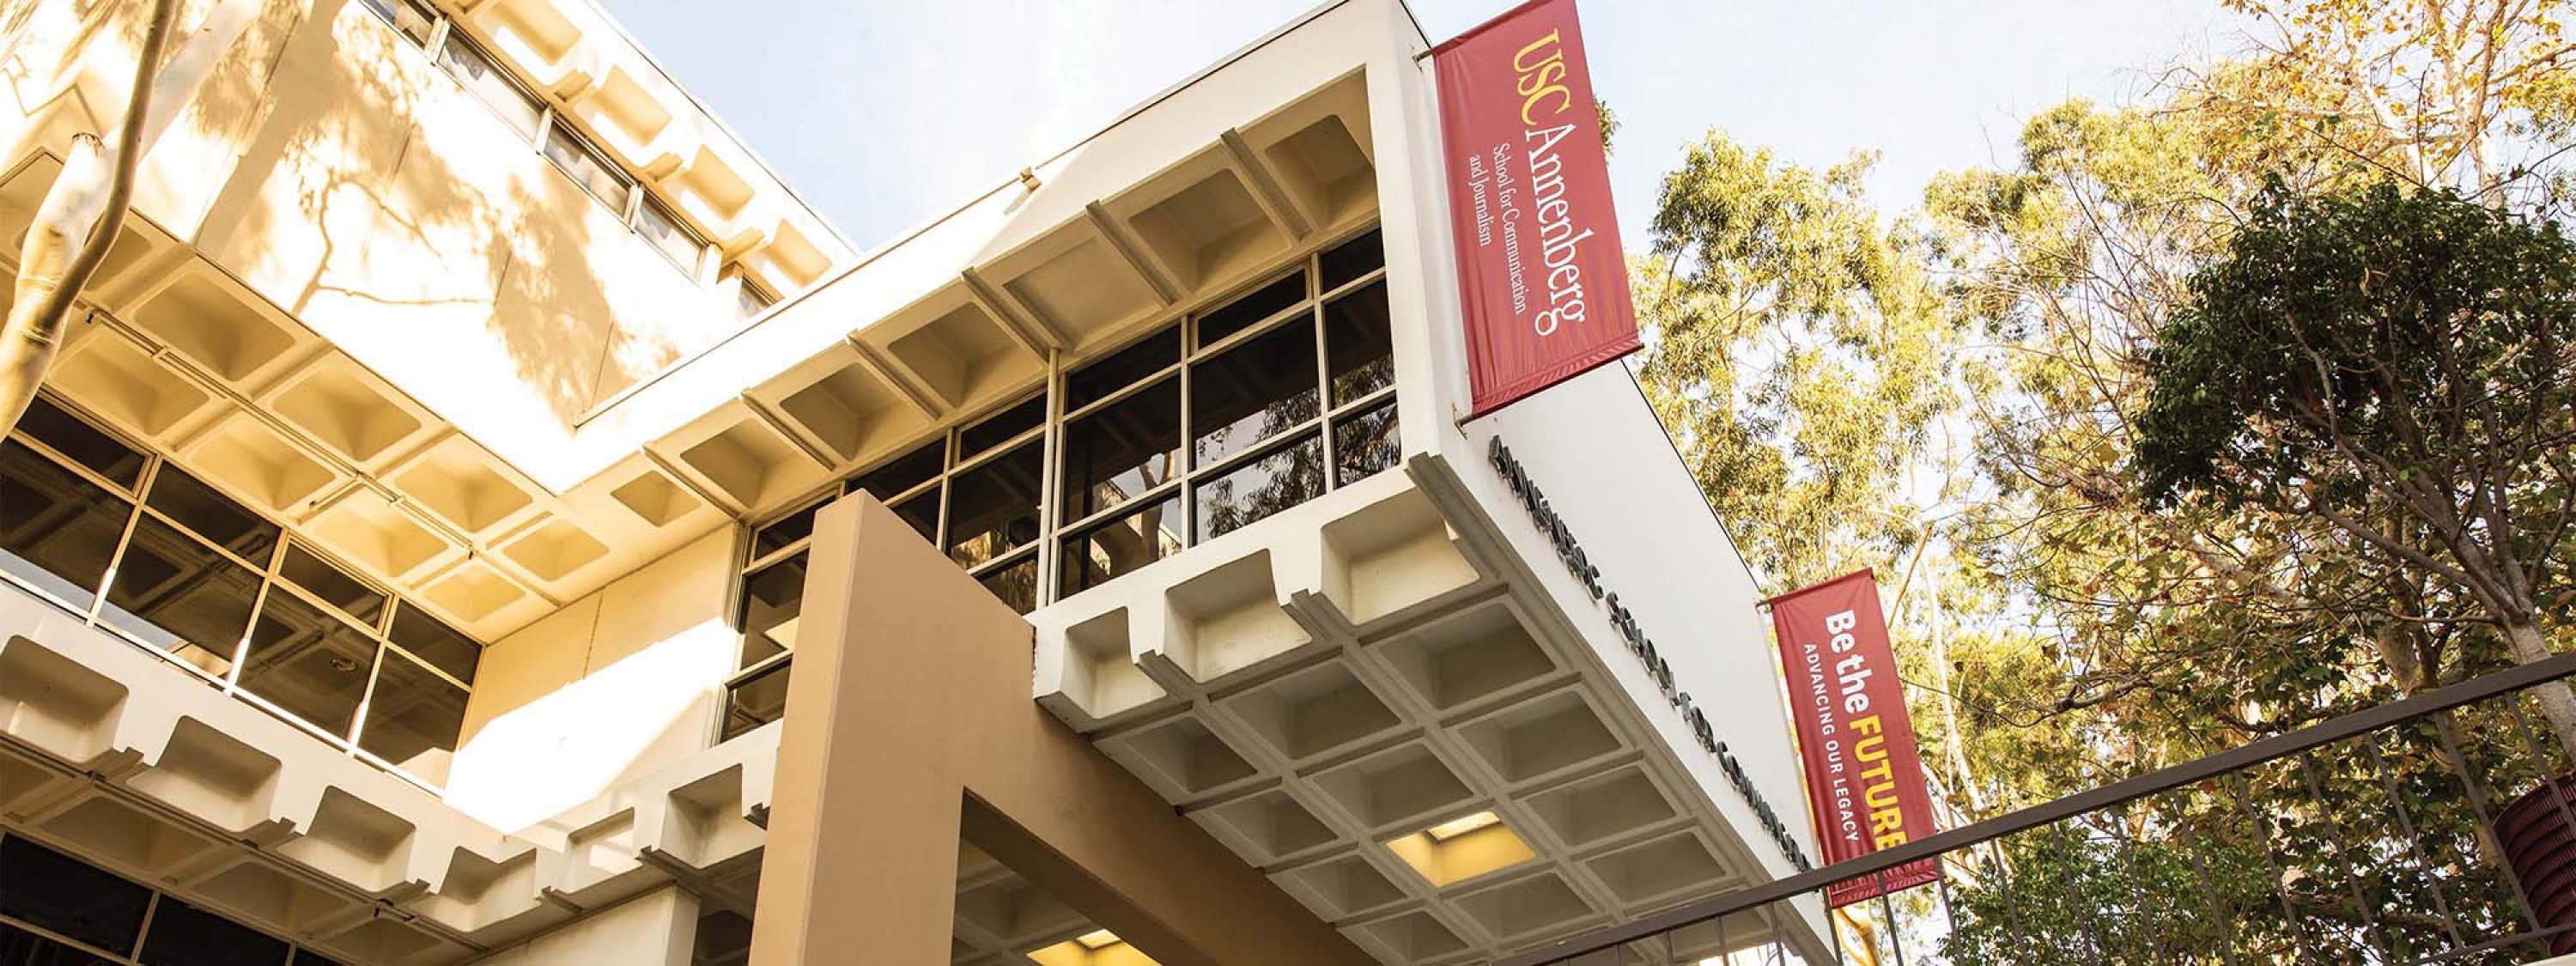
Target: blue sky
[(884, 113)]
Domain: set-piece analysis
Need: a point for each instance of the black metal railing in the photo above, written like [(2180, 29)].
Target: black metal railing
[(2440, 828)]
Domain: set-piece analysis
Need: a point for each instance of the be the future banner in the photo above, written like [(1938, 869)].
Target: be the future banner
[(1864, 773), (1544, 283)]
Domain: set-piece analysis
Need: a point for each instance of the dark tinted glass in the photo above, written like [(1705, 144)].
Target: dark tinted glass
[(922, 512), (1001, 427), (1243, 313), (1357, 349), (1121, 450), (212, 515), (334, 585), (1120, 546), (80, 442), (19, 947), (905, 472), (308, 662), (69, 897), (1264, 486), (724, 936), (1099, 379), (758, 701), (57, 529), (173, 593), (993, 508), (772, 599), (413, 719), (307, 957), (1016, 584), (1365, 444), (1351, 259), (442, 646), (184, 935), (1253, 391), (786, 531)]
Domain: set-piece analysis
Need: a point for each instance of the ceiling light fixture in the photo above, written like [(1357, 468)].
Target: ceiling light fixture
[(1097, 938), (1460, 826)]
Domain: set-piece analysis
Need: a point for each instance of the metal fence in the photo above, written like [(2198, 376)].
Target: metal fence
[(2426, 830)]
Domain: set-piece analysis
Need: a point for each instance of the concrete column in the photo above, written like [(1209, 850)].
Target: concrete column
[(910, 720)]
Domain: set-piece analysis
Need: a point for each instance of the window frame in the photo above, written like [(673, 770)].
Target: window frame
[(269, 571), (1056, 528)]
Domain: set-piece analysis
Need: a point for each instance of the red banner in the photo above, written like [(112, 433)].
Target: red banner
[(1540, 272), (1864, 773)]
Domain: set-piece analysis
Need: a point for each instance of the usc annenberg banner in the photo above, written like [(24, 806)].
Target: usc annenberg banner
[(1864, 773), (1540, 272)]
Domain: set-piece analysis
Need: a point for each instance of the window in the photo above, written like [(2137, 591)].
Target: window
[(530, 116), (664, 231), (57, 910), (749, 298), (1226, 417), (143, 549), (584, 165), (489, 83)]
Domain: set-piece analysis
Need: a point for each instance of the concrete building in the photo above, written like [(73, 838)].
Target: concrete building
[(482, 515)]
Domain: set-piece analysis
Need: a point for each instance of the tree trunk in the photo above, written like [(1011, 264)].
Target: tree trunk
[(83, 210), (2556, 702)]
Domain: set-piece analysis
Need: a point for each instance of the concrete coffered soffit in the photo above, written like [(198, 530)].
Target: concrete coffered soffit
[(1379, 709)]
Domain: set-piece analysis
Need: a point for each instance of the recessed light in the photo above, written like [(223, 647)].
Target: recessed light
[(1097, 938), (1460, 826)]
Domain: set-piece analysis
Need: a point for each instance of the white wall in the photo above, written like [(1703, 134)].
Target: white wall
[(614, 685)]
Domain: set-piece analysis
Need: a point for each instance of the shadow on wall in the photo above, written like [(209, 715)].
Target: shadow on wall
[(401, 246)]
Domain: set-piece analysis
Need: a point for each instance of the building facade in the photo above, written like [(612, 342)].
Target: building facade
[(482, 515)]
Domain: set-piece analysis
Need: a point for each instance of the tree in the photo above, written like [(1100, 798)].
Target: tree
[(85, 207), (1797, 353), (2399, 364)]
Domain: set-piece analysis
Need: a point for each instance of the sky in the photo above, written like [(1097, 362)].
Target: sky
[(886, 113)]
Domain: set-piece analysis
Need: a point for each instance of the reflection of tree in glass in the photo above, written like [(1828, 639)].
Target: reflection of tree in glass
[(1283, 479)]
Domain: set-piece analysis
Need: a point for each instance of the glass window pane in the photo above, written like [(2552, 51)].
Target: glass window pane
[(19, 947), (1357, 348), (586, 167), (758, 701), (1001, 427), (307, 957), (308, 662), (1264, 486), (1365, 444), (405, 16), (80, 442), (905, 472), (785, 531), (431, 640), (486, 81), (69, 897), (662, 228), (1016, 584), (57, 529), (772, 599), (184, 935), (1243, 313), (334, 585), (413, 719), (176, 595), (1351, 259), (993, 508), (922, 512), (750, 300), (1125, 368), (1120, 546), (1254, 391), (212, 515), (1122, 450)]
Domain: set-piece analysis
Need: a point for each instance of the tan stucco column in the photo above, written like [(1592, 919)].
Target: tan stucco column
[(909, 716)]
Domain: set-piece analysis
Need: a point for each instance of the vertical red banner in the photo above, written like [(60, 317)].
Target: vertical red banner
[(1864, 773), (1540, 271)]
